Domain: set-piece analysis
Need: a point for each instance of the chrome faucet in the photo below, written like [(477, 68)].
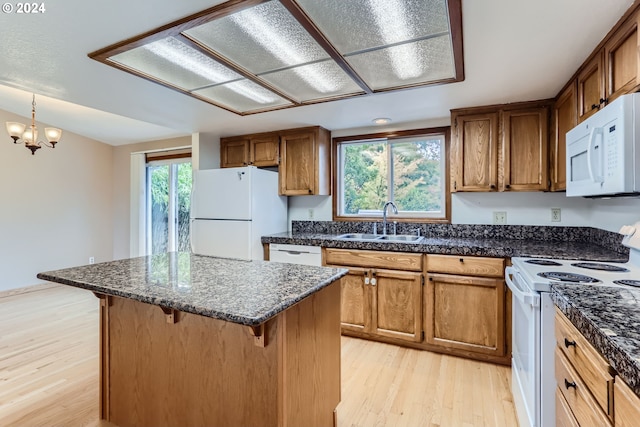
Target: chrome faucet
[(384, 215)]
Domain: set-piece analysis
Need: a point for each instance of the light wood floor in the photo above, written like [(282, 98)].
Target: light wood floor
[(49, 373)]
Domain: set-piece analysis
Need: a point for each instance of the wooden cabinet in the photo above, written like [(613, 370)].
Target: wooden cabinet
[(303, 157), (585, 380), (234, 152), (564, 118), (475, 152), (621, 59), (611, 71), (465, 307), (501, 148), (379, 300), (258, 150), (627, 405), (590, 88), (305, 168), (525, 144)]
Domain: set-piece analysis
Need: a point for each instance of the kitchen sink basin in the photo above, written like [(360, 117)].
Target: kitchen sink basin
[(401, 238), (381, 237), (359, 236)]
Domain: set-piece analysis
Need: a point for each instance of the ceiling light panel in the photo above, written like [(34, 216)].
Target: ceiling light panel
[(243, 96), (392, 34), (268, 42), (406, 64), (311, 82), (174, 62)]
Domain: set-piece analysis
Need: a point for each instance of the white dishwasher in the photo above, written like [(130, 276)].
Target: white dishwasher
[(295, 254)]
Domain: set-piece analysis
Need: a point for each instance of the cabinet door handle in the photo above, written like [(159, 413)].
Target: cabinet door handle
[(568, 343), (461, 259), (310, 191), (507, 186), (594, 106), (568, 384)]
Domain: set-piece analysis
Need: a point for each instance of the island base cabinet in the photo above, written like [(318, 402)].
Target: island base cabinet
[(167, 368)]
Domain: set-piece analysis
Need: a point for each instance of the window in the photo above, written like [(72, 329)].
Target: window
[(168, 205), (408, 168)]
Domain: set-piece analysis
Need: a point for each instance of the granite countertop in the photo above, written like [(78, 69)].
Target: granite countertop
[(609, 317), (244, 292), (490, 247)]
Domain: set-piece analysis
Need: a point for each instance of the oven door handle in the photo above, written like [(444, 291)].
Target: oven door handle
[(514, 280)]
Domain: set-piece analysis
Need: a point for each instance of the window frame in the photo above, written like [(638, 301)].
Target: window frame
[(393, 135)]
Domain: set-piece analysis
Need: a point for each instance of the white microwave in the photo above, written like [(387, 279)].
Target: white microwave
[(603, 152)]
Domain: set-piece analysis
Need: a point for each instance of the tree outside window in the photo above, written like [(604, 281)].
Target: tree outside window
[(408, 171)]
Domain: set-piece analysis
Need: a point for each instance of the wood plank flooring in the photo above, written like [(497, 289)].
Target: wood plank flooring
[(49, 373)]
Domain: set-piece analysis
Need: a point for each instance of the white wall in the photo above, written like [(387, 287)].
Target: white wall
[(56, 206), (611, 214), (531, 208)]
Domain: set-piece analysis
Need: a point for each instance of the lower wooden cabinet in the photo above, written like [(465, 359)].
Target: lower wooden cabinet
[(380, 302), (466, 313), (627, 405), (466, 309), (564, 416)]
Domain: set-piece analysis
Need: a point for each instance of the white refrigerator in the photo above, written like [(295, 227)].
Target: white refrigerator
[(232, 208)]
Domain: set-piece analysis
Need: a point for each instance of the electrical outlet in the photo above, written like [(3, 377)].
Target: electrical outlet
[(92, 260), (499, 217), (556, 215), (311, 213)]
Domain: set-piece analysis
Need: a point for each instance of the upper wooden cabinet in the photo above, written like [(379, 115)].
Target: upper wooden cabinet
[(257, 150), (234, 152), (303, 156), (611, 71), (474, 152), (525, 144), (564, 118), (514, 159), (305, 167), (621, 59), (590, 87)]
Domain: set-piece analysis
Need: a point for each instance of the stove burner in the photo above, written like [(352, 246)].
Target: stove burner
[(542, 262), (628, 282), (562, 276), (599, 266)]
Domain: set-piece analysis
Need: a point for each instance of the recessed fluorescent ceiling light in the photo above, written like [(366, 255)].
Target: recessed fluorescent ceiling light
[(249, 58)]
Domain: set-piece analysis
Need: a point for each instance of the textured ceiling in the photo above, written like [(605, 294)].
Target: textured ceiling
[(513, 51)]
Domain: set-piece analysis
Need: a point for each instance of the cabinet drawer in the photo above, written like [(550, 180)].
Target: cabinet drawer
[(627, 405), (564, 416), (586, 360), (374, 259), (465, 265), (583, 406)]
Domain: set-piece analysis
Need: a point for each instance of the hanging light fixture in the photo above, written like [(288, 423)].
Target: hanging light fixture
[(29, 135)]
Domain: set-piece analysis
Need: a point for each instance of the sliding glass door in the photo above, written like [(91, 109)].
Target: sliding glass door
[(168, 205)]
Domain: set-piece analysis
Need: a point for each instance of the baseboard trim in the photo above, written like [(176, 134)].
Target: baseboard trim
[(27, 289)]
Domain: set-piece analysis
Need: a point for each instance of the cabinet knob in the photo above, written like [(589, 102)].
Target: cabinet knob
[(310, 192), (507, 186), (594, 106), (568, 343), (461, 259), (568, 384), (492, 186)]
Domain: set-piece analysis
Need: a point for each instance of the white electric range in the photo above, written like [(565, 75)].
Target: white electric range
[(533, 320)]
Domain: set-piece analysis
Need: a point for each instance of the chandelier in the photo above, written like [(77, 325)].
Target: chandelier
[(29, 135)]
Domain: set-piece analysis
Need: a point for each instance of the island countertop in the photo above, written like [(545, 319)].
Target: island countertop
[(243, 292), (609, 318)]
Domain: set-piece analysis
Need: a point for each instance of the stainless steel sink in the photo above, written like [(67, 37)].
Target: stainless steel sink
[(359, 236), (380, 237), (401, 237)]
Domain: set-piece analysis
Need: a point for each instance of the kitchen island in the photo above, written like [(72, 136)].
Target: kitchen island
[(190, 340)]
